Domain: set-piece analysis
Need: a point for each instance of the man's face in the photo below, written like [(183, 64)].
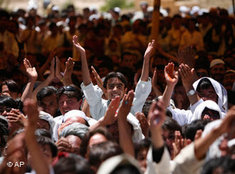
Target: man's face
[(5, 90), (229, 80), (67, 104), (209, 114), (115, 87), (208, 94), (128, 61), (217, 72), (49, 104), (75, 143)]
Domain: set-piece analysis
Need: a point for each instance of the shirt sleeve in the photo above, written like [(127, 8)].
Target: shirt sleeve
[(181, 116), (142, 92), (93, 96)]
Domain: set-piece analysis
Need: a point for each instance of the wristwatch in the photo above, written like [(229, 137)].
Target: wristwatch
[(191, 92)]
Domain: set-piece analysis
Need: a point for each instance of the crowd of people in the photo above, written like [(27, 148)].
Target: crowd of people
[(90, 93)]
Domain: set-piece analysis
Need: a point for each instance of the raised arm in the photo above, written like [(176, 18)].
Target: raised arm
[(32, 75), (147, 55), (45, 82), (67, 80), (171, 77), (39, 164), (85, 70), (156, 118), (110, 116), (202, 144), (99, 81), (188, 76), (125, 133), (154, 84)]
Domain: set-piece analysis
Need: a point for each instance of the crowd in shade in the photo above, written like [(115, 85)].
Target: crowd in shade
[(92, 93)]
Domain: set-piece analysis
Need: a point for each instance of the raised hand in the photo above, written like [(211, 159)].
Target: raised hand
[(171, 75), (110, 116), (57, 69), (154, 84), (99, 81), (52, 69), (126, 105), (124, 129), (150, 49), (188, 76), (179, 143), (80, 49), (31, 71), (68, 71), (31, 110), (15, 116), (156, 118), (156, 115)]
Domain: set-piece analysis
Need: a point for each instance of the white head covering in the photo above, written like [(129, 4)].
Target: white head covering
[(110, 164), (220, 91), (78, 113), (206, 104), (215, 62), (47, 117)]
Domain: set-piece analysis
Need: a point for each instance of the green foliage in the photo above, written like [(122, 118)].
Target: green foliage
[(110, 4)]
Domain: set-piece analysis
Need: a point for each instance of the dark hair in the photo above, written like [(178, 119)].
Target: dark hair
[(226, 164), (4, 132), (204, 84), (42, 140), (73, 164), (85, 140), (43, 132), (171, 125), (70, 91), (141, 145), (45, 92), (7, 103), (125, 169), (12, 85), (190, 130), (52, 25), (118, 75), (102, 151)]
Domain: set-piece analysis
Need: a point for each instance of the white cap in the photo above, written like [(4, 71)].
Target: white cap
[(78, 113), (142, 3), (195, 9), (75, 113), (94, 16), (55, 8), (110, 164), (215, 62), (183, 9), (117, 9), (32, 4), (47, 117), (163, 12)]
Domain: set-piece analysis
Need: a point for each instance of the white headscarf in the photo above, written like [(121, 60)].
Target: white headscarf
[(47, 117), (220, 91), (206, 104)]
